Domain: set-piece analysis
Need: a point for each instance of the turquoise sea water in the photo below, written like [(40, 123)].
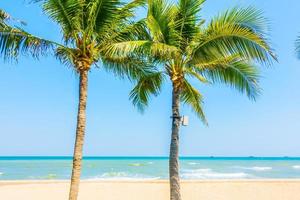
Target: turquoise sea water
[(132, 168)]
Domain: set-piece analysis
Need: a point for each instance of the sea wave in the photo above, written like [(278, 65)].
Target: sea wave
[(296, 167), (136, 164), (51, 176), (122, 176), (1, 173), (255, 168), (193, 163), (261, 168), (210, 174)]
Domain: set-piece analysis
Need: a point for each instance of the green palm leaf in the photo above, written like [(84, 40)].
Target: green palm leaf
[(66, 56), (238, 31), (142, 47), (67, 14), (192, 97), (249, 17), (238, 74), (146, 86), (187, 18), (160, 21), (15, 41), (131, 67)]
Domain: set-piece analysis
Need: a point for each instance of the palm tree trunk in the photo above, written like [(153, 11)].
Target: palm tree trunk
[(174, 147), (80, 132)]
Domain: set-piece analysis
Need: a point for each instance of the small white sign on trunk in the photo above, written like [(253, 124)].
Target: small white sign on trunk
[(185, 120)]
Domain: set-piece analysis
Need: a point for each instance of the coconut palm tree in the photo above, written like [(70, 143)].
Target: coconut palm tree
[(183, 47), (87, 26)]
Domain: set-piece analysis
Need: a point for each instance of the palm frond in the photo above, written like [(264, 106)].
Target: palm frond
[(160, 21), (142, 47), (4, 15), (125, 32), (101, 13), (212, 61), (15, 41), (67, 13), (187, 18), (6, 19), (131, 67), (145, 87), (155, 30), (66, 56), (128, 9), (249, 17), (114, 23), (192, 97), (236, 32), (239, 74), (194, 74)]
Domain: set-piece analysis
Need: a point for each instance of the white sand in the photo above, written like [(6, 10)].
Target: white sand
[(153, 190)]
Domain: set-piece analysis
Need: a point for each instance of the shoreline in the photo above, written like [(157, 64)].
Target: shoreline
[(151, 181)]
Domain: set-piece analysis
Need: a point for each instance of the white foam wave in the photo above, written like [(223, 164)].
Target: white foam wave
[(136, 164), (296, 167), (192, 163), (1, 173), (256, 168), (210, 174), (203, 170), (51, 176), (122, 176), (261, 168)]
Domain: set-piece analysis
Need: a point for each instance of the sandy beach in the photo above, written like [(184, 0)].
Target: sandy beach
[(153, 190)]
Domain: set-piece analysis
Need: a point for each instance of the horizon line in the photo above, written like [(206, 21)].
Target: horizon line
[(149, 157)]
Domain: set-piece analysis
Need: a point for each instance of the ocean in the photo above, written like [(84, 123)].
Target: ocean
[(149, 168)]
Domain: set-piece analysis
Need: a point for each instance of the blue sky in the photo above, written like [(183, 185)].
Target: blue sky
[(39, 101)]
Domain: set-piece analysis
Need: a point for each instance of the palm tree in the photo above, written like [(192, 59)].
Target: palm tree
[(183, 46), (87, 26)]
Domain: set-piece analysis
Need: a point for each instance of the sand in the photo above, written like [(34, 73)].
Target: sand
[(153, 190)]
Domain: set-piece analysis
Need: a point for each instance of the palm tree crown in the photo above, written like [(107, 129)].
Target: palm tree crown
[(86, 26), (184, 46)]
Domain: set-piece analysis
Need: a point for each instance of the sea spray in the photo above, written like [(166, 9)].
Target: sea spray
[(210, 174), (255, 168), (296, 167)]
